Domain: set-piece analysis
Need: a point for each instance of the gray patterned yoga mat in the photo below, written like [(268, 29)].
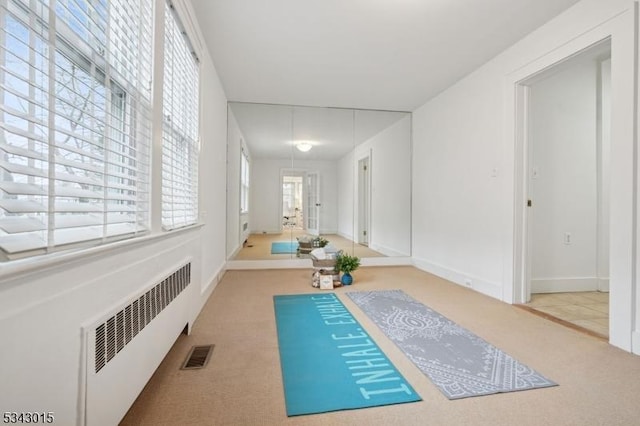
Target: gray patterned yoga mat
[(458, 362)]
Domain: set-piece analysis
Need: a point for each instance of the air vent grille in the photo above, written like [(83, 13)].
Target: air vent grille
[(119, 330), (198, 357)]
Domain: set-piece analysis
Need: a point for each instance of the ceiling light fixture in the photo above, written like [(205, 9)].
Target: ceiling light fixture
[(303, 146)]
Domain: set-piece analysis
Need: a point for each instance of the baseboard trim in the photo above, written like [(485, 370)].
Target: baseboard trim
[(235, 252), (463, 279), (343, 235), (564, 285), (386, 261), (329, 232), (603, 284), (635, 342), (211, 282), (267, 231), (387, 251)]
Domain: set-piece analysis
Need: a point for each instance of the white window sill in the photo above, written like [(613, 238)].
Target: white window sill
[(17, 268)]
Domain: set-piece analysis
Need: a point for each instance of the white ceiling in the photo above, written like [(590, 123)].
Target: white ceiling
[(373, 54), (271, 130)]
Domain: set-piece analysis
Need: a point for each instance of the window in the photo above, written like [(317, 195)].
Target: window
[(244, 182), (180, 130), (75, 122)]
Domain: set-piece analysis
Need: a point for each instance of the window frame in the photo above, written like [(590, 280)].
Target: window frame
[(121, 141), (184, 137)]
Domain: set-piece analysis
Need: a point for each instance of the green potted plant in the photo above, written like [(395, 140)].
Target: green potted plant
[(346, 264)]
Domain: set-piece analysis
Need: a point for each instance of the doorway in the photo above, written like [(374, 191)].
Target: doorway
[(313, 203), (292, 201), (566, 176)]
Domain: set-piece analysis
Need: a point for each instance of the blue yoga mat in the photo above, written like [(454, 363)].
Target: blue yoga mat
[(328, 360), (284, 247)]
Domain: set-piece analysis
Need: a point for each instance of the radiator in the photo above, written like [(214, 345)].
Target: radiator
[(244, 234), (125, 346)]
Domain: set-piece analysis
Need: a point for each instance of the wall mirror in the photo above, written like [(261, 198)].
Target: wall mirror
[(336, 173)]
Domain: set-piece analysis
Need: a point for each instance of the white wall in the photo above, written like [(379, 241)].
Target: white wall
[(266, 197), (44, 302), (390, 220), (563, 176), (212, 168), (235, 144), (346, 196), (466, 222), (457, 212)]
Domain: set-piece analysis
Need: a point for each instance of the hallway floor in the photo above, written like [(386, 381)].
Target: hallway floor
[(242, 383), (581, 310)]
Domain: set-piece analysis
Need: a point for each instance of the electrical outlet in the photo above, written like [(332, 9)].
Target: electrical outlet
[(567, 238)]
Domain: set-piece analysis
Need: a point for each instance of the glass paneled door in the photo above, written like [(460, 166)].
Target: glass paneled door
[(313, 203)]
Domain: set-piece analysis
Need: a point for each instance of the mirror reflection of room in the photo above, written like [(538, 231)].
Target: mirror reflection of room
[(326, 176), (292, 203)]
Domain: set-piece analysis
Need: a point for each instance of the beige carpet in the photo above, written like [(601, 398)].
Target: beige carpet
[(242, 385)]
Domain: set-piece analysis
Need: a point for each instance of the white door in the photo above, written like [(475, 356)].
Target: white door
[(364, 206), (313, 203)]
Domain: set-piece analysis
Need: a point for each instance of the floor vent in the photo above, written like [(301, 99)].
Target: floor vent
[(198, 357), (119, 330)]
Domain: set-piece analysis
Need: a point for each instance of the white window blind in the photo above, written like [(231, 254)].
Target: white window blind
[(244, 182), (180, 131), (74, 122)]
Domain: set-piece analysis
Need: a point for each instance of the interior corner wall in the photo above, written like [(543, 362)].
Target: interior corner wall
[(42, 312), (463, 158)]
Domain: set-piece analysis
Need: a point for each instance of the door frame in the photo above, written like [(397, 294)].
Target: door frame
[(305, 195), (596, 53), (524, 153), (624, 324), (295, 173)]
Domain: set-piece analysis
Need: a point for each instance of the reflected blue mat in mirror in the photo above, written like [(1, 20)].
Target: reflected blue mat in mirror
[(458, 362), (284, 247), (329, 362)]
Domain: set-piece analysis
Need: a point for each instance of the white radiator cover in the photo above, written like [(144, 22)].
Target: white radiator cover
[(124, 346)]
